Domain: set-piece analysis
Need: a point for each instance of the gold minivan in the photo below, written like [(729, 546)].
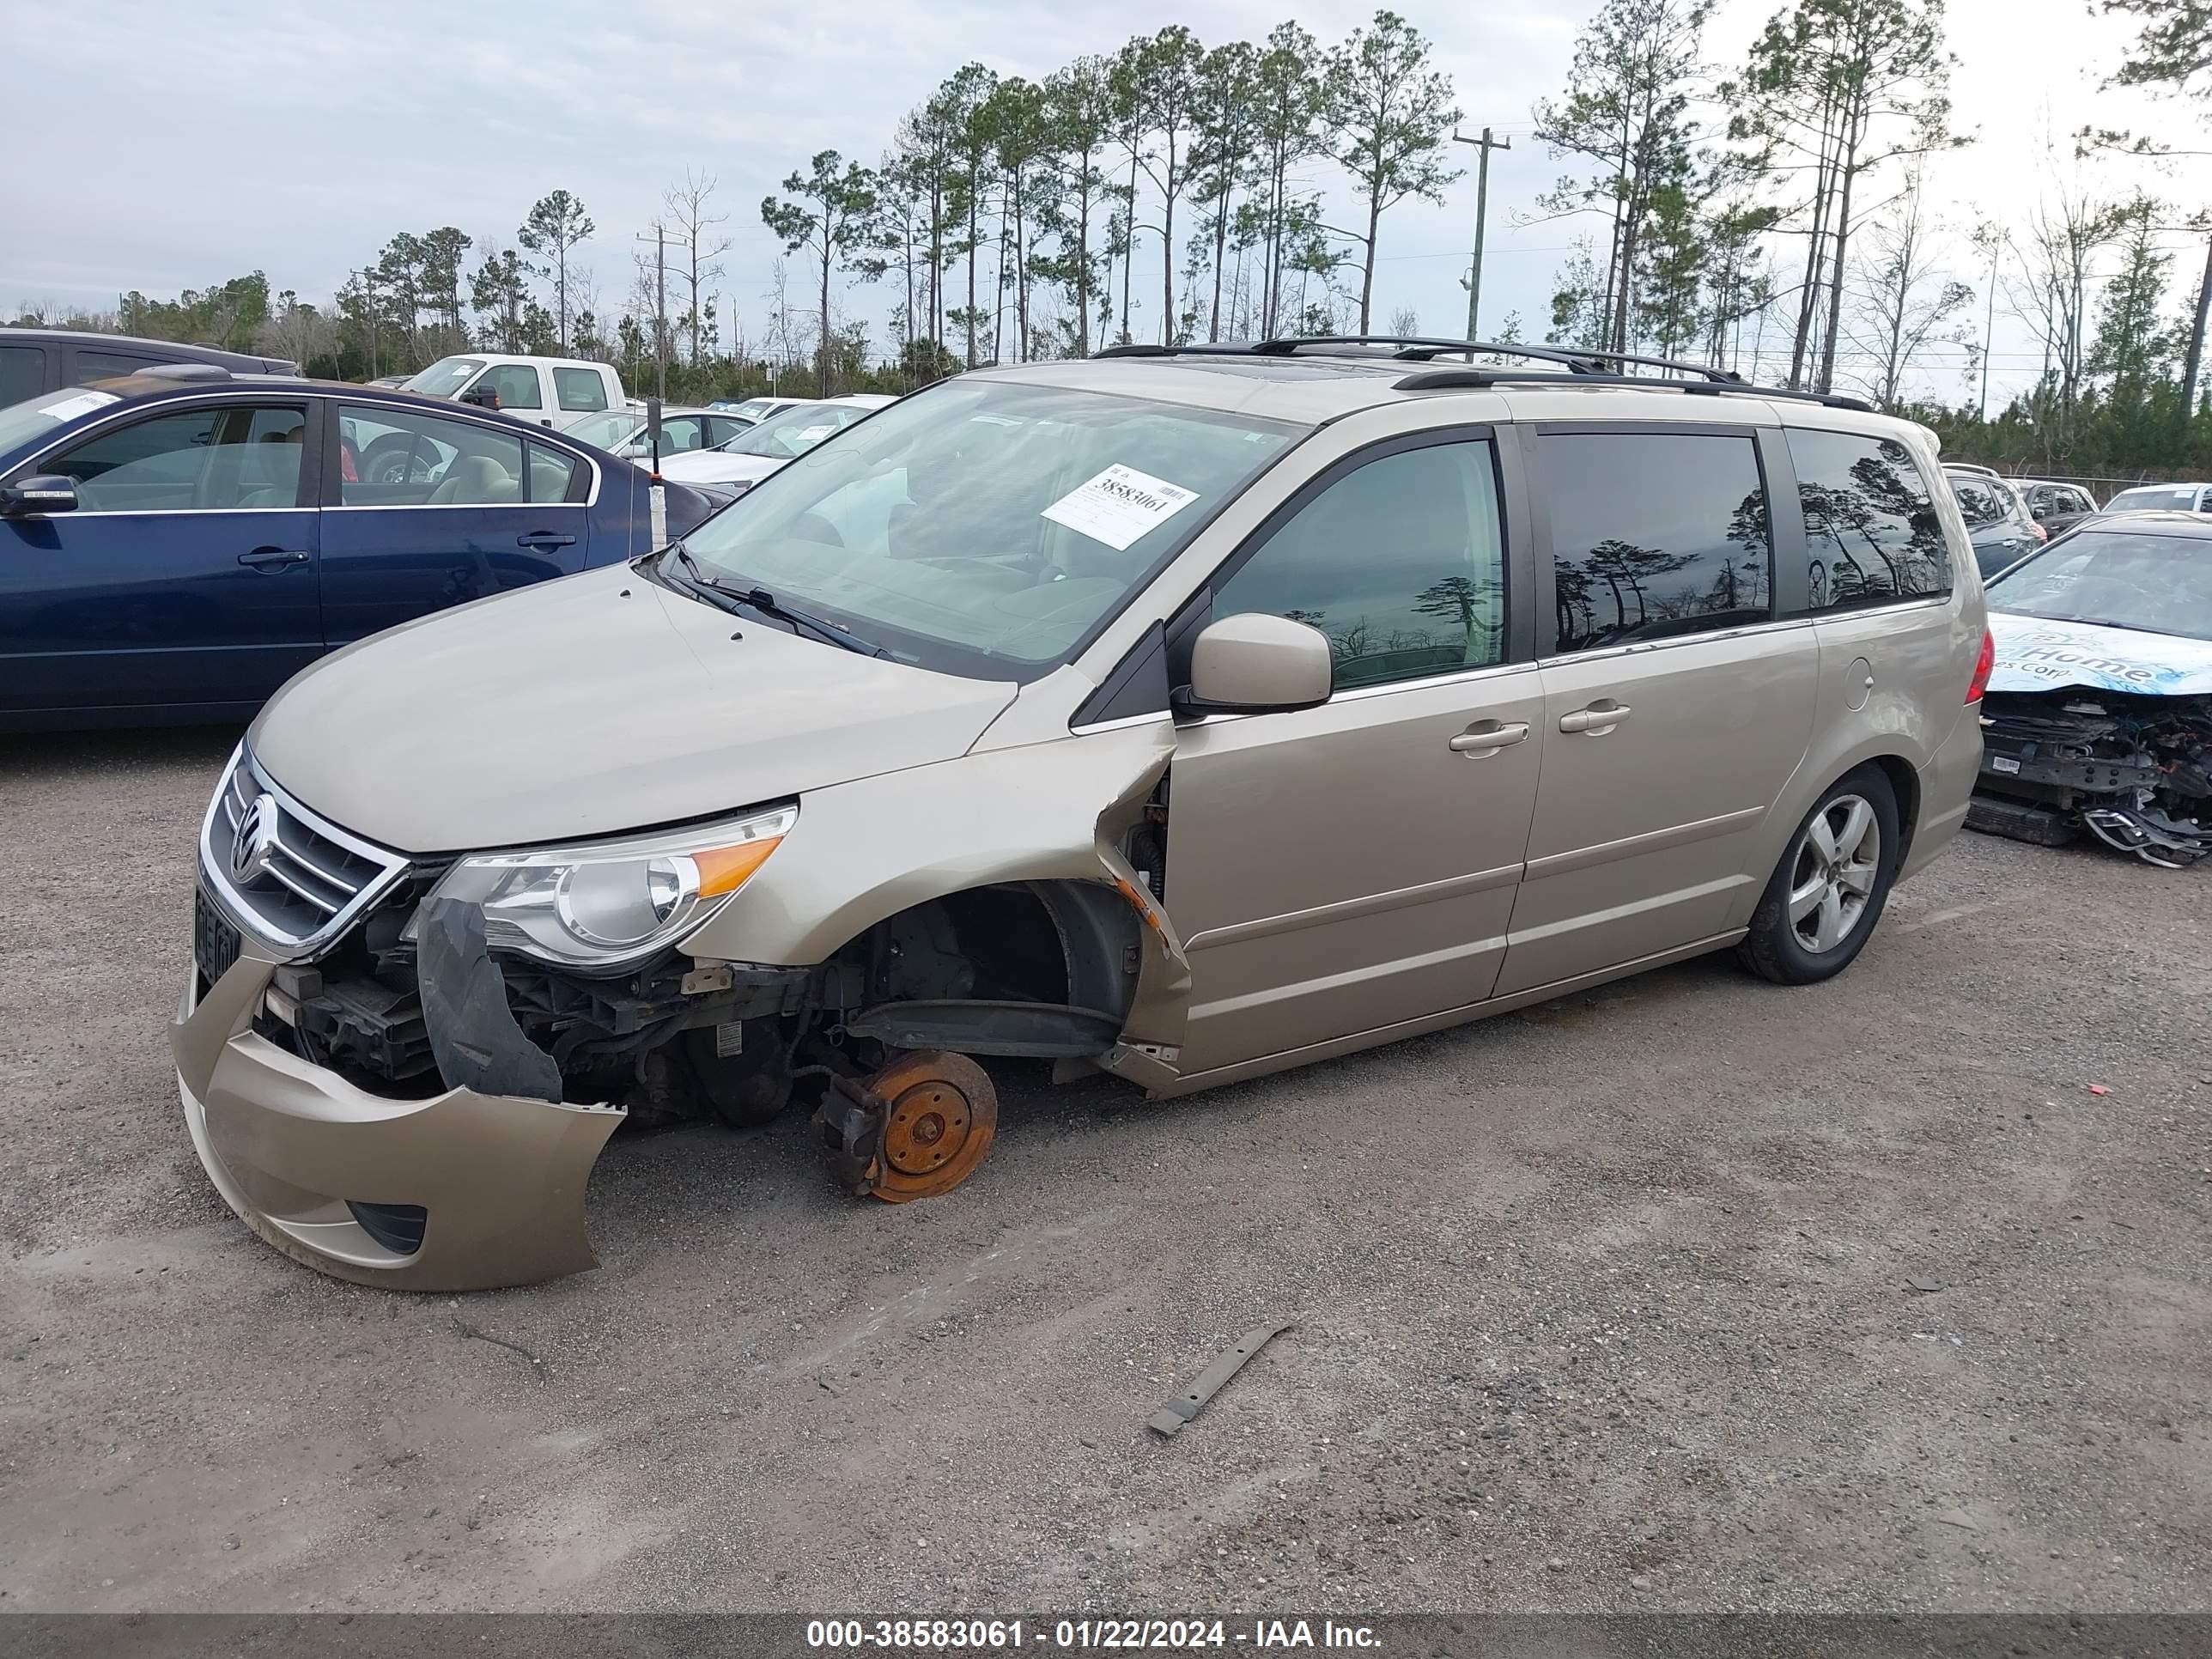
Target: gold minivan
[(1182, 713)]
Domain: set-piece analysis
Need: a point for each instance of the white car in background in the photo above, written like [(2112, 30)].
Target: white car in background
[(621, 431), (754, 410), (545, 391), (746, 460)]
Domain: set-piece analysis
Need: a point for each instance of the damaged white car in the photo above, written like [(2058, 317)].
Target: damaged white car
[(2098, 713)]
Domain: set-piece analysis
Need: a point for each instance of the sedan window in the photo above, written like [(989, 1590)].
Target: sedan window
[(396, 458), (203, 460), (552, 472)]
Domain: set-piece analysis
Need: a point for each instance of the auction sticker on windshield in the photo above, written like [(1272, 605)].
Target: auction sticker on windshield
[(83, 403), (1119, 505)]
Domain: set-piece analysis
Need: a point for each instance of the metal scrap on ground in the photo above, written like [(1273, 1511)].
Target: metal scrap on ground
[(1175, 1413)]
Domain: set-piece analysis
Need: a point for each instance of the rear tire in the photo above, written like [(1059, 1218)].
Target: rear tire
[(1826, 896)]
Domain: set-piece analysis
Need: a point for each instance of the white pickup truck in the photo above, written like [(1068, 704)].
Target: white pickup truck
[(550, 390)]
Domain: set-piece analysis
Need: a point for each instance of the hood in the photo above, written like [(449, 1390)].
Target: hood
[(712, 466), (2037, 654), (590, 706)]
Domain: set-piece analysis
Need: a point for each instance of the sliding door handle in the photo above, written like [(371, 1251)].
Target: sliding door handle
[(1597, 719)]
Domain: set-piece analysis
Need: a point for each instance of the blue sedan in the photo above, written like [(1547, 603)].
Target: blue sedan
[(174, 546)]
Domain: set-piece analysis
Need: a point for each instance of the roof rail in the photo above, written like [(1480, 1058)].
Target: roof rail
[(1589, 366), (1577, 360), (1460, 380)]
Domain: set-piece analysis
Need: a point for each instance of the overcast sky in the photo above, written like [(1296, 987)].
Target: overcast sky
[(163, 146)]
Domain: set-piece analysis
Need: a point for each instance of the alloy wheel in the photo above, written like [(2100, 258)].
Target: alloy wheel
[(1832, 873)]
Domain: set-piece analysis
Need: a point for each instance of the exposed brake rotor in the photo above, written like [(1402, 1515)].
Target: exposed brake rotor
[(940, 1116)]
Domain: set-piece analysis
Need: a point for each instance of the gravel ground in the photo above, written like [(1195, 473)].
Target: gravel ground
[(1691, 1293)]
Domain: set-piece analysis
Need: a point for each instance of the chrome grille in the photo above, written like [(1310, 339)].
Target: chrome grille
[(293, 880)]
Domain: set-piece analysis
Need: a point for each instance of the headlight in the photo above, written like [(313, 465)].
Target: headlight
[(610, 903)]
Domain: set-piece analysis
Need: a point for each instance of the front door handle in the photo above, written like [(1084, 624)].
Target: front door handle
[(543, 540), (275, 558), (1597, 719), (1488, 736)]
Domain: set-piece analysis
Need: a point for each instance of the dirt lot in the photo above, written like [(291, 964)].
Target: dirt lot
[(1608, 1304)]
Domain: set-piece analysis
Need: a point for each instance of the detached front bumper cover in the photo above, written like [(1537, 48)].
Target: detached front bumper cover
[(500, 1178)]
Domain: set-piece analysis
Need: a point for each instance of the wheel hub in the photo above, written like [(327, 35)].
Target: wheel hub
[(1838, 857), (940, 1115)]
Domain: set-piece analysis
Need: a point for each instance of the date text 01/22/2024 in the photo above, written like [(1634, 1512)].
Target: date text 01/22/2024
[(949, 1635)]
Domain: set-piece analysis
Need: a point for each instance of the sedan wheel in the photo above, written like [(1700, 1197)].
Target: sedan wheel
[(1832, 876)]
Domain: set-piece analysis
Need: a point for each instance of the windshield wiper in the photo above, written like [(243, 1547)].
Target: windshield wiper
[(769, 606), (696, 580)]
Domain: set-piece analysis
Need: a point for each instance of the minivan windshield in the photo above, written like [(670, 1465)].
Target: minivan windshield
[(2160, 584), (986, 528), (445, 377)]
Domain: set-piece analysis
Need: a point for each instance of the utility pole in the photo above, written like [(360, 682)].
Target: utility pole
[(659, 308), (1997, 241), (368, 281), (1473, 282)]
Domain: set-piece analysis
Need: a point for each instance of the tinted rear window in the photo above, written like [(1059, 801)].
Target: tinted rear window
[(1872, 534), (22, 372), (106, 365), (1655, 534)]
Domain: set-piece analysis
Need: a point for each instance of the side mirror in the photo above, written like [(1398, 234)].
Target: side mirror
[(35, 497), (484, 394), (1253, 663), (2040, 511)]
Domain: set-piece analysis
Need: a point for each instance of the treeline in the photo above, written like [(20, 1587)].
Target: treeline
[(1770, 218), (1769, 215), (1012, 214)]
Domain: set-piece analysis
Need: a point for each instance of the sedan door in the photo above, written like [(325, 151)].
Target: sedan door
[(1340, 870), (184, 584), (440, 510), (1675, 706)]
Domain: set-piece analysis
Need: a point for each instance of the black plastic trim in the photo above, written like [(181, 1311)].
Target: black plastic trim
[(1137, 685)]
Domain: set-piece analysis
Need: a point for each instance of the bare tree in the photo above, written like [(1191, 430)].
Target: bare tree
[(298, 332), (700, 235), (1899, 301), (2059, 244)]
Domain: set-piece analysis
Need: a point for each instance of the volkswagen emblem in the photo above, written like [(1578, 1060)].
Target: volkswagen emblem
[(256, 840)]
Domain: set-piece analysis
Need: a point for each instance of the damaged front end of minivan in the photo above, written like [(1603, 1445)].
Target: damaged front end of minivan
[(2133, 768), (385, 1087)]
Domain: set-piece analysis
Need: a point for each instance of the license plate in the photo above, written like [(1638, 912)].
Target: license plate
[(2003, 763), (215, 939)]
